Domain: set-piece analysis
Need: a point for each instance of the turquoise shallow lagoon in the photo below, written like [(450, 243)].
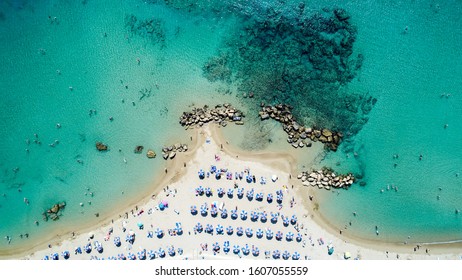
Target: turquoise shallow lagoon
[(412, 66)]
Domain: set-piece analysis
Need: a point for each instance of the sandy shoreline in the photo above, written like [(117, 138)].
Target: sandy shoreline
[(207, 143)]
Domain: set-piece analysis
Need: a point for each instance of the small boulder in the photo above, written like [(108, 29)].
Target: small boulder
[(101, 147), (326, 132), (151, 154), (171, 155)]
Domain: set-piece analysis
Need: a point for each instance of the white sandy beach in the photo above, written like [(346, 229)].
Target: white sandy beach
[(181, 195)]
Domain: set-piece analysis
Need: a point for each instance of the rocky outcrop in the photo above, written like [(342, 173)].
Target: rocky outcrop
[(171, 151), (101, 147), (54, 211), (326, 179), (221, 114), (298, 135)]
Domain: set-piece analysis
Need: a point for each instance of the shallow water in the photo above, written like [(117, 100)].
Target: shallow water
[(89, 48)]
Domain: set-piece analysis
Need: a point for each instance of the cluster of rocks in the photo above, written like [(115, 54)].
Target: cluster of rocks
[(327, 179), (150, 153), (221, 114), (53, 212), (298, 134), (170, 151)]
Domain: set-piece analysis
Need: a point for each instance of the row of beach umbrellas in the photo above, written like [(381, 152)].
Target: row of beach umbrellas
[(248, 232), (276, 254), (254, 215), (250, 194)]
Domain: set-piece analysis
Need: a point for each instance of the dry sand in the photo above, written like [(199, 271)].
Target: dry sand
[(212, 149)]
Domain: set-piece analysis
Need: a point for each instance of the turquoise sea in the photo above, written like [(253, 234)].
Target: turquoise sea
[(388, 75)]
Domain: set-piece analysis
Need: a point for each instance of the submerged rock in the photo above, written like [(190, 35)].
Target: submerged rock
[(101, 147), (139, 149)]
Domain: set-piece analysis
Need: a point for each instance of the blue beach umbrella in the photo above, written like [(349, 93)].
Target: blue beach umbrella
[(230, 193), (299, 237), (171, 251), (209, 228), (276, 254), (274, 217), (226, 247), (249, 232), (78, 250), (201, 174), (121, 257), (240, 193), (55, 256), (218, 175), (239, 231), (198, 227), (236, 249), (216, 247), (224, 214), (293, 220), (279, 192), (269, 234), (88, 248), (220, 192), (65, 255), (180, 251), (255, 251), (279, 235), (263, 217), (151, 254), (131, 256), (250, 194), (279, 199), (253, 216), (98, 247), (286, 255), (259, 233), (269, 198), (117, 241), (234, 214), (213, 212), (219, 229), (290, 236), (208, 192), (161, 253), (46, 258), (259, 196), (245, 250), (178, 228), (193, 210), (203, 211), (213, 169), (285, 221), (296, 256), (229, 230), (249, 179), (142, 254), (159, 233), (243, 215)]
